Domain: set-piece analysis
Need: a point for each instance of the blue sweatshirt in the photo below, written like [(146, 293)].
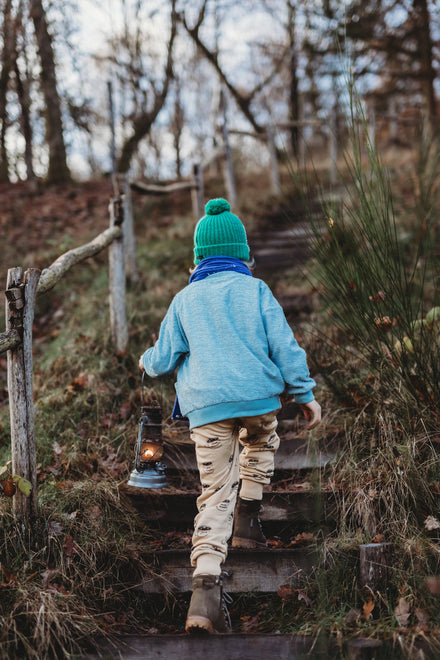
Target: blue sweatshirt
[(233, 348)]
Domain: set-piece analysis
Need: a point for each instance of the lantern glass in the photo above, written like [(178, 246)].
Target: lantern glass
[(151, 450)]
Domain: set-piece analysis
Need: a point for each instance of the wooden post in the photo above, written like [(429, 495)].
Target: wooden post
[(372, 125), (112, 126), (333, 146), (364, 648), (131, 267), (374, 563), (392, 112), (301, 139), (274, 171), (20, 303), (197, 193), (116, 258), (229, 168)]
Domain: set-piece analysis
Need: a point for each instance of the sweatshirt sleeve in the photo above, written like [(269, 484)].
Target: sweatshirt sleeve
[(284, 350), (168, 350)]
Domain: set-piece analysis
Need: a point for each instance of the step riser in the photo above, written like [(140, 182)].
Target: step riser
[(291, 455), (239, 646), (293, 508), (260, 571)]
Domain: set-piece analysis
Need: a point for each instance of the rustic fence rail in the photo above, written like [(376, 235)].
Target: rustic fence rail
[(22, 289)]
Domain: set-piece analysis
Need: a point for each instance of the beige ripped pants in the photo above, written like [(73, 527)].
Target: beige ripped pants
[(221, 467)]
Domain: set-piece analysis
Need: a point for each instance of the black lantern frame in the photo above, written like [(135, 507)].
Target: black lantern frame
[(149, 471)]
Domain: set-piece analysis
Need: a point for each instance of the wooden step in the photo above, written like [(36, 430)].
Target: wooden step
[(230, 646), (179, 506), (293, 454), (262, 571)]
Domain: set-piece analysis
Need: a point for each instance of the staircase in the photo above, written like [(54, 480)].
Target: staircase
[(297, 511), (292, 505)]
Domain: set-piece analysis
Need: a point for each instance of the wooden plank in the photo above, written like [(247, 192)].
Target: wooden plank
[(293, 454), (262, 571), (180, 506), (229, 646)]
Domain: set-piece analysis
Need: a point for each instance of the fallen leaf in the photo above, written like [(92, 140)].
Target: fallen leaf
[(377, 539), (54, 528), (302, 538), (79, 383), (431, 523), (353, 615), (125, 410), (421, 616), (251, 624), (383, 323), (367, 609), (9, 576), (108, 420), (378, 297), (59, 588), (47, 575), (24, 486), (286, 592), (433, 584), (69, 548), (402, 612), (303, 596), (57, 448)]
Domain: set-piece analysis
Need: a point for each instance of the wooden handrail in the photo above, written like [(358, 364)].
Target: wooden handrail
[(51, 275), (152, 189)]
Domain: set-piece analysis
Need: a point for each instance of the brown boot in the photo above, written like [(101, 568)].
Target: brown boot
[(207, 612), (247, 526)]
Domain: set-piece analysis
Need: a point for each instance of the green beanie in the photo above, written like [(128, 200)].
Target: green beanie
[(220, 233)]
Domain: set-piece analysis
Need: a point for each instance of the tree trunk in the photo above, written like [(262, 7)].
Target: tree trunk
[(6, 65), (424, 41), (22, 83), (58, 171), (293, 87)]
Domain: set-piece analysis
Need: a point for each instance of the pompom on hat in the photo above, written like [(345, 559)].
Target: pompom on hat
[(220, 233)]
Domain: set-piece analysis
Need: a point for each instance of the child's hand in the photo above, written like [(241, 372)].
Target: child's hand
[(312, 413), (141, 364)]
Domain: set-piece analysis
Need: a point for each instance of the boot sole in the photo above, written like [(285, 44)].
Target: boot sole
[(238, 542), (199, 624)]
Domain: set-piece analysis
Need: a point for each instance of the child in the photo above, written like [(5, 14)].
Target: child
[(235, 354)]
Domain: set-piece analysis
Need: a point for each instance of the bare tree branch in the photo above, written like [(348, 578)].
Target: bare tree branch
[(243, 101), (143, 122)]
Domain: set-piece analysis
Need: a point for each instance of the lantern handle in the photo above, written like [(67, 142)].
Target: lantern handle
[(143, 391)]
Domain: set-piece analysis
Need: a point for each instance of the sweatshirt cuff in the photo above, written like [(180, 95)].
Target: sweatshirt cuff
[(147, 367), (304, 398)]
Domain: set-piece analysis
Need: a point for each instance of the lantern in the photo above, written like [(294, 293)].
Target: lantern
[(149, 472)]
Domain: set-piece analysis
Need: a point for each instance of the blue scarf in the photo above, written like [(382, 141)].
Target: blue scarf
[(212, 265), (207, 267)]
